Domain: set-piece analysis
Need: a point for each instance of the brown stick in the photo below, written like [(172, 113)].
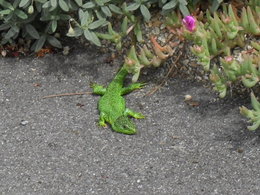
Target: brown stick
[(165, 78), (66, 94)]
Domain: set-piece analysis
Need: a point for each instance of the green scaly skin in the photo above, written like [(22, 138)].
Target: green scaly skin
[(112, 106)]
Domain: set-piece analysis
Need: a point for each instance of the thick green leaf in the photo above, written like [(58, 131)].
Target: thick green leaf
[(88, 5), (81, 14), (100, 15), (170, 5), (163, 1), (46, 5), (54, 3), (106, 11), (145, 12), (254, 126), (32, 31), (54, 42), (96, 24), (115, 9), (21, 14), (63, 5), (100, 2), (105, 36), (215, 5), (79, 2), (4, 26), (85, 18), (244, 17), (91, 36), (184, 2), (254, 102), (72, 5), (39, 43), (250, 82), (16, 3), (6, 4), (105, 1), (41, 1), (23, 3), (5, 12), (133, 6), (184, 9), (124, 25), (11, 32), (53, 25), (138, 32)]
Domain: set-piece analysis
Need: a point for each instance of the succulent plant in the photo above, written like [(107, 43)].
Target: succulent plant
[(134, 61), (254, 114), (221, 33)]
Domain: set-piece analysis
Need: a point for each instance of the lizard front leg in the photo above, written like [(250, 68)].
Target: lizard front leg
[(134, 114), (98, 89), (132, 87)]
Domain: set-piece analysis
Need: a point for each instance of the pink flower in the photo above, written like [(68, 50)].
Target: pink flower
[(198, 48), (228, 58), (189, 22)]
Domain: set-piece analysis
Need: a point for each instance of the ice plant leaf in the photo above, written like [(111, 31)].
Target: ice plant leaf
[(254, 102)]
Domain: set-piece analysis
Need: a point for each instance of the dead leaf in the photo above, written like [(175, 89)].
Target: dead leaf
[(37, 84), (192, 103), (80, 105)]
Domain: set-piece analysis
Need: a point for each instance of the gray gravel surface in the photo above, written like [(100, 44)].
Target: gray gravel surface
[(54, 146)]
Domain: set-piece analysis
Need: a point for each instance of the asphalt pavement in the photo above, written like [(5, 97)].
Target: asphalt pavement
[(54, 146)]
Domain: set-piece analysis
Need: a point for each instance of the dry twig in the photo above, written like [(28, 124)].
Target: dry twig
[(156, 88), (66, 94)]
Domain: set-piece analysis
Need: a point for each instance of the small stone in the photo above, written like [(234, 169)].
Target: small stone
[(3, 53), (156, 31), (236, 51), (199, 78), (162, 26), (249, 47), (24, 122), (185, 62), (66, 50), (240, 58), (57, 35), (187, 97), (205, 77), (21, 41), (162, 39)]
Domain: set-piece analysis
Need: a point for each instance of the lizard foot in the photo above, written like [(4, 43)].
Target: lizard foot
[(102, 124), (134, 114)]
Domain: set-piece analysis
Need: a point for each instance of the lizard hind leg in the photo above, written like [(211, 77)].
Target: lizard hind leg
[(134, 114), (102, 121)]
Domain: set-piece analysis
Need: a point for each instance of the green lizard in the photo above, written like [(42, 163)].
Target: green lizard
[(112, 106)]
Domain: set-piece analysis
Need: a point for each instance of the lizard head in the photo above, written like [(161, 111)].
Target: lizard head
[(125, 125)]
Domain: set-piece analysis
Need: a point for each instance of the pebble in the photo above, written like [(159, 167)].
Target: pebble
[(156, 30), (187, 97), (185, 62), (24, 122), (66, 50), (162, 39)]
